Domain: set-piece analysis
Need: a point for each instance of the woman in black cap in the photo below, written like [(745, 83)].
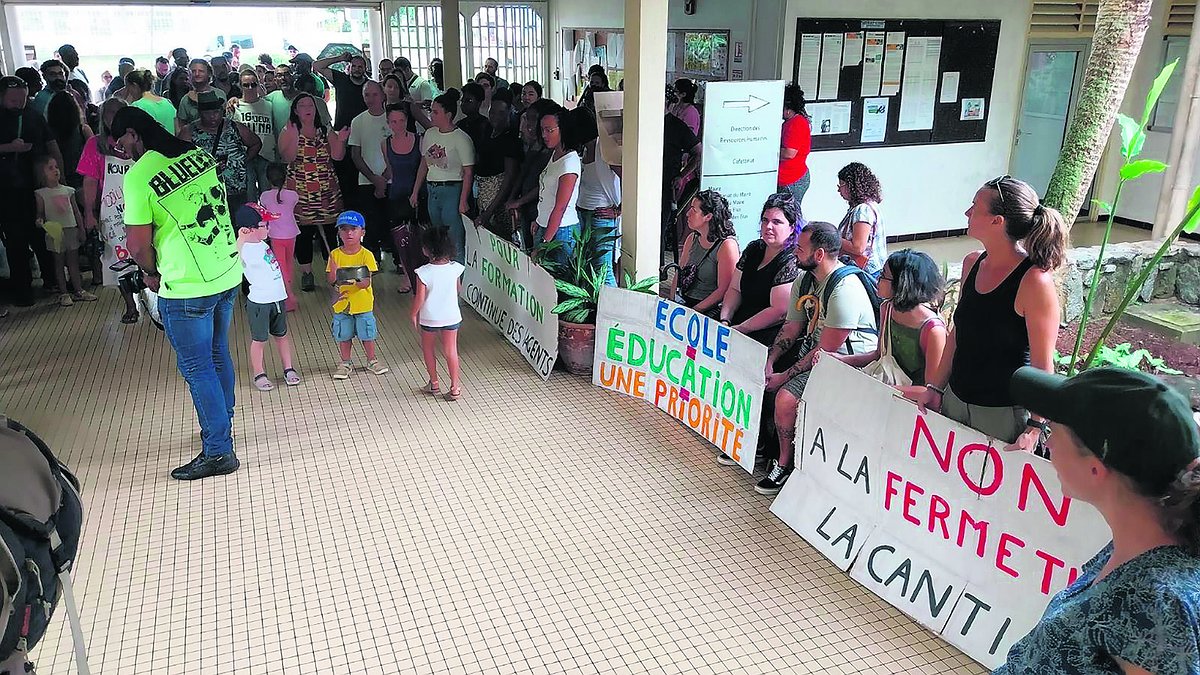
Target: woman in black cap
[(231, 142), (1128, 445)]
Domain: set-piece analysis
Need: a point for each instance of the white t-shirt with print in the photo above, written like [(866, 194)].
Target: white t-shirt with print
[(441, 298), (262, 271), (447, 154), (570, 163), (367, 132)]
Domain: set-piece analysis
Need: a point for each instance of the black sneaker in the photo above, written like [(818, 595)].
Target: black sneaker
[(307, 283), (775, 479), (725, 460), (204, 466)]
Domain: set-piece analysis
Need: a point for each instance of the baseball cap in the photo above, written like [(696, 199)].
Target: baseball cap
[(1130, 420), (247, 216), (126, 60), (351, 219), (302, 58), (209, 101)]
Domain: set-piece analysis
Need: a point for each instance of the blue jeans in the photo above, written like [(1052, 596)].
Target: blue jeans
[(198, 329), (566, 234), (443, 212), (588, 218)]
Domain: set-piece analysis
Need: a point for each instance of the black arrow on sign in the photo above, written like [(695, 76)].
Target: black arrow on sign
[(751, 104)]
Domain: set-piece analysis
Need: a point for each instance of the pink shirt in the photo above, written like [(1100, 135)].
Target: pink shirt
[(282, 202), (91, 162), (689, 114)]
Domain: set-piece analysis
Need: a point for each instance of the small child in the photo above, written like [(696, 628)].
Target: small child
[(59, 216), (350, 267), (264, 306), (282, 230), (435, 310)]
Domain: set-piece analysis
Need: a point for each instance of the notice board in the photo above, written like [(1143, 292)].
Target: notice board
[(887, 82)]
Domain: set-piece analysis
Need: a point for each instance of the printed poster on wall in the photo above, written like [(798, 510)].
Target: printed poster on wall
[(514, 294), (872, 77), (831, 66), (921, 62), (875, 115), (704, 374), (893, 61), (810, 64), (937, 519)]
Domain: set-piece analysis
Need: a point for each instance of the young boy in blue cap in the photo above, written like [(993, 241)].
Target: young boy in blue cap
[(350, 268)]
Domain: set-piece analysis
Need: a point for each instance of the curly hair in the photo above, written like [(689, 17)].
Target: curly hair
[(713, 203), (786, 203), (861, 183)]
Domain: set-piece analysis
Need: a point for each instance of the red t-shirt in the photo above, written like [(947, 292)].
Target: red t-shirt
[(797, 135)]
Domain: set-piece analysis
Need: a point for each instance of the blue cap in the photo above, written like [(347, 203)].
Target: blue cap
[(246, 216), (351, 219)]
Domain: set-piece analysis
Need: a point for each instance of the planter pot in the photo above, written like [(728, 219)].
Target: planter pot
[(576, 346)]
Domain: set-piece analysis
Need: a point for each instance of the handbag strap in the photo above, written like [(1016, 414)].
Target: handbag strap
[(885, 331)]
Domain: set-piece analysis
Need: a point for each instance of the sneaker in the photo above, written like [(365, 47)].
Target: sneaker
[(377, 367), (725, 460), (775, 479), (343, 372), (65, 300), (204, 466), (83, 296), (307, 283)]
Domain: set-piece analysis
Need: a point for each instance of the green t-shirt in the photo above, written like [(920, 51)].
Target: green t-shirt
[(194, 239), (161, 110)]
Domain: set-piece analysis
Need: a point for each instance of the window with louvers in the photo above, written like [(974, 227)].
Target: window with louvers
[(1063, 18)]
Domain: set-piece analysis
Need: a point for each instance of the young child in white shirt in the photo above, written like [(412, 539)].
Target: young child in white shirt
[(435, 311), (265, 304)]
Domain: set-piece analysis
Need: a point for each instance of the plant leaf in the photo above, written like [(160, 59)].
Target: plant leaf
[(645, 285), (568, 305), (1141, 167), (579, 315), (1102, 205), (1193, 203), (1132, 136), (1156, 90), (570, 290)]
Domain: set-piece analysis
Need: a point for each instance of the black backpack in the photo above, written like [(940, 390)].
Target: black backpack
[(41, 515), (838, 275)]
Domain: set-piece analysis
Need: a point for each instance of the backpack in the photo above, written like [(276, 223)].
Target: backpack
[(836, 278), (41, 515)]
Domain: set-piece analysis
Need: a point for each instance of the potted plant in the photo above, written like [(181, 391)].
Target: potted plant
[(579, 279)]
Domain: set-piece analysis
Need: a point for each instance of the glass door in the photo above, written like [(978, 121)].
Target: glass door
[(1052, 79)]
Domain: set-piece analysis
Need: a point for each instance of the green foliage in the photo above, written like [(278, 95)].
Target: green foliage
[(580, 278), (1133, 139), (1122, 356)]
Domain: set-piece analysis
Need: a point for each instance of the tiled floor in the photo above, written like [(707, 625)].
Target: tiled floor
[(529, 528)]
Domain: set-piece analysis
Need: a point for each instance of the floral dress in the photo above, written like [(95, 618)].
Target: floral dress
[(230, 152), (314, 179)]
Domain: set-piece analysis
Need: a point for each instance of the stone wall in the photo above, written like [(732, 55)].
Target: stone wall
[(1177, 276)]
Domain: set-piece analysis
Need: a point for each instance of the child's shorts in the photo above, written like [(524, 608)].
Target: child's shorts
[(60, 239), (438, 329), (266, 320), (349, 326)]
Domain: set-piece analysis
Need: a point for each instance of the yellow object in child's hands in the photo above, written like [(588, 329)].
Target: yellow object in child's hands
[(54, 234)]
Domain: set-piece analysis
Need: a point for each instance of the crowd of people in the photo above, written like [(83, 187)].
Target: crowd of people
[(214, 175)]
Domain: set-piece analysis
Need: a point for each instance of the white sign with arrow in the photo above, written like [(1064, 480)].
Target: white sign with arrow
[(743, 122)]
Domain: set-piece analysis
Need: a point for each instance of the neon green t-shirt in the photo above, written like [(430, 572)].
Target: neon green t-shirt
[(193, 233)]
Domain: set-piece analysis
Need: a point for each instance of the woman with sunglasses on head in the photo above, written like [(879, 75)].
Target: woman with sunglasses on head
[(1007, 315)]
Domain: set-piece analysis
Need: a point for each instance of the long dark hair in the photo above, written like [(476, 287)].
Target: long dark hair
[(916, 279), (571, 127), (713, 203), (1181, 507), (294, 117), (62, 117), (1042, 229), (154, 136), (438, 69), (793, 99), (786, 203), (687, 90), (175, 89), (861, 183)]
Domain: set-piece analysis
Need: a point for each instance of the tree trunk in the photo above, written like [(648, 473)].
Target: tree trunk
[(1120, 28)]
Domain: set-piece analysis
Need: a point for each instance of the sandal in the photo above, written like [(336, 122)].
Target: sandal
[(130, 317), (263, 383), (453, 394), (432, 388), (291, 377)]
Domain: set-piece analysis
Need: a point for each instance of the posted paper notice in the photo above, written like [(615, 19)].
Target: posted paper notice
[(875, 115), (831, 66), (830, 118), (893, 61), (949, 87), (921, 61), (872, 63), (810, 63), (852, 50), (973, 109)]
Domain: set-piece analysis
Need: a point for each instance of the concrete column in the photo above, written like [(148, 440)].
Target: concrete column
[(451, 45), (642, 165), (12, 51), (380, 37), (1185, 143)]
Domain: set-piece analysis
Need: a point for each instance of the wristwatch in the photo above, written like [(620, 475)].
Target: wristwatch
[(1034, 424)]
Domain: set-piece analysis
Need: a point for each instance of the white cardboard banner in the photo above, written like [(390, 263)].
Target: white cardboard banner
[(937, 519), (514, 294), (112, 216), (743, 123), (697, 370)]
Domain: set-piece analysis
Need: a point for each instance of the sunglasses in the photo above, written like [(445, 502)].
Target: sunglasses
[(995, 184)]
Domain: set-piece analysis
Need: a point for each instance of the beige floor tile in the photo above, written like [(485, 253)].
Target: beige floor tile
[(529, 528)]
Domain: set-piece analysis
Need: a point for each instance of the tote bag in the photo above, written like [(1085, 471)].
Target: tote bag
[(886, 369)]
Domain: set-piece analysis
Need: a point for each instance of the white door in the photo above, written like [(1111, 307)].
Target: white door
[(1052, 80)]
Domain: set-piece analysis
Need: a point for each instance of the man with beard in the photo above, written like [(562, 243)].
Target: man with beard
[(845, 324), (70, 58), (23, 136), (492, 67), (54, 73), (347, 86), (223, 78), (180, 234), (286, 92)]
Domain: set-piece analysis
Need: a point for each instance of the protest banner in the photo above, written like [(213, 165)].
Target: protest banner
[(112, 220), (935, 518), (742, 129), (514, 294), (703, 373)]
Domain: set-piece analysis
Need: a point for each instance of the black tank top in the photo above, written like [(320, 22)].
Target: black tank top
[(991, 340)]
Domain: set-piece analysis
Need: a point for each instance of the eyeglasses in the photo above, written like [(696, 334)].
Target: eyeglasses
[(995, 184)]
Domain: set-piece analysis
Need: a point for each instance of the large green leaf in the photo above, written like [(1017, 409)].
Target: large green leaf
[(579, 315), (645, 285), (571, 290), (1102, 205), (1132, 136), (569, 305), (1141, 167), (1193, 208), (1156, 90)]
